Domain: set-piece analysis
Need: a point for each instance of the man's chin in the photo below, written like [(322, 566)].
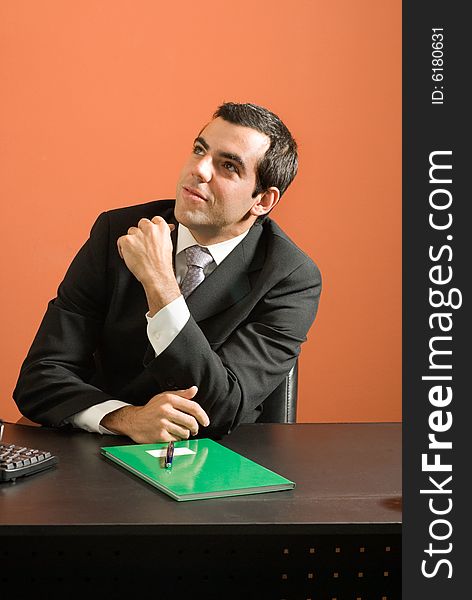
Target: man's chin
[(190, 217)]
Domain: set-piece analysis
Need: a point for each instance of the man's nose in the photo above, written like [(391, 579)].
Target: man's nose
[(203, 169)]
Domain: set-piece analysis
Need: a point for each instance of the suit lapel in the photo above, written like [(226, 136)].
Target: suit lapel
[(173, 237), (227, 284), (230, 281)]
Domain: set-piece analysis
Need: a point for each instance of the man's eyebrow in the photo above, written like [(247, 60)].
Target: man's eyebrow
[(201, 141), (234, 157)]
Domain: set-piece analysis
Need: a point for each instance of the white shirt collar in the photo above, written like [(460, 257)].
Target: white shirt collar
[(218, 251)]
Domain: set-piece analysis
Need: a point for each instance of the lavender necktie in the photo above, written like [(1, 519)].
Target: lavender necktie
[(197, 259)]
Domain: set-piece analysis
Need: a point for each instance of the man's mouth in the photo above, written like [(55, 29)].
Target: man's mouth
[(194, 192)]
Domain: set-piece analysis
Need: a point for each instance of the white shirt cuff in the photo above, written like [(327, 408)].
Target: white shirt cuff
[(89, 419), (166, 324)]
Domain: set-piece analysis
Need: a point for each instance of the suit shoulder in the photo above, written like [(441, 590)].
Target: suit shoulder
[(131, 214), (283, 247), (117, 221)]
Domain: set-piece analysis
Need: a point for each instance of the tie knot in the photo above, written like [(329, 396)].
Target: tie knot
[(198, 256)]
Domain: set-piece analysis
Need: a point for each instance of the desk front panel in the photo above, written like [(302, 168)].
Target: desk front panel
[(90, 526)]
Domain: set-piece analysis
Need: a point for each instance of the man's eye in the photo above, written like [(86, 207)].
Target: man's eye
[(230, 167), (197, 150)]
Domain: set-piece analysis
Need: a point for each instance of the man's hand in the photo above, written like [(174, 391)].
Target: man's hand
[(147, 252), (169, 416)]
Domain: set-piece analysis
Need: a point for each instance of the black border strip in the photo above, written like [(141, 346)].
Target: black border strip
[(428, 128)]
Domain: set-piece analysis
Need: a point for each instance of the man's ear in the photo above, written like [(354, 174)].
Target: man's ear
[(265, 202)]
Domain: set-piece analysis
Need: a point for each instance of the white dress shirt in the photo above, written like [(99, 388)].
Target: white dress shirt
[(164, 326)]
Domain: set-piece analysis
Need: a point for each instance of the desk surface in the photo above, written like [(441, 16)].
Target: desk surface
[(348, 477)]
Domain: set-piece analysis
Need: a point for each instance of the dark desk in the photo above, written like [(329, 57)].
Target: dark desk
[(336, 535)]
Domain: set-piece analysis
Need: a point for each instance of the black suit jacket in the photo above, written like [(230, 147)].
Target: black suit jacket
[(248, 320)]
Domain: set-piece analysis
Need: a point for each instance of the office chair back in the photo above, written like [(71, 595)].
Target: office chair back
[(281, 405)]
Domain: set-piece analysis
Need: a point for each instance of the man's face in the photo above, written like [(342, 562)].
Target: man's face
[(214, 191)]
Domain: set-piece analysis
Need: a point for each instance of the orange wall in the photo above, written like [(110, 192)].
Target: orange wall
[(100, 102)]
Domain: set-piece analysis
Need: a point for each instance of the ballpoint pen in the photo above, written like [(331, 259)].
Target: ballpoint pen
[(169, 455)]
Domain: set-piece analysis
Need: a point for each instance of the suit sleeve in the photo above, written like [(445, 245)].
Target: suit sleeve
[(54, 380), (235, 376)]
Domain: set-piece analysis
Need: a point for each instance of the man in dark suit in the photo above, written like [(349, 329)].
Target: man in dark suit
[(131, 346)]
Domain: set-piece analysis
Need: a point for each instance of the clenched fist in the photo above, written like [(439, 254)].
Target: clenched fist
[(147, 252)]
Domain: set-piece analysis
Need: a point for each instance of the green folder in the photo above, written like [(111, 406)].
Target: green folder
[(200, 469)]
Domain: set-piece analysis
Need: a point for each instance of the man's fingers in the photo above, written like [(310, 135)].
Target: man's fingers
[(191, 408), (143, 227), (178, 431), (125, 240), (161, 221), (143, 223), (187, 393), (184, 423)]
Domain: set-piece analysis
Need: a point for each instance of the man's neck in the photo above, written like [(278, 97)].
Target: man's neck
[(219, 251), (208, 238)]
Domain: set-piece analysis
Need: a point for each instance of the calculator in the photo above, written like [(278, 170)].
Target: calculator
[(18, 461)]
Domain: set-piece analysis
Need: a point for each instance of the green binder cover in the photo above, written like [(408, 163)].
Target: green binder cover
[(200, 469)]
